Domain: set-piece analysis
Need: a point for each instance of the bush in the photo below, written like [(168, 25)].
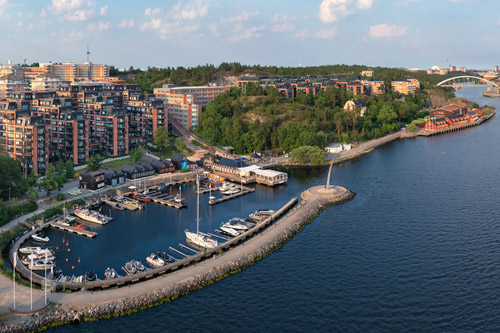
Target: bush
[(60, 197), (184, 170), (411, 127), (7, 213)]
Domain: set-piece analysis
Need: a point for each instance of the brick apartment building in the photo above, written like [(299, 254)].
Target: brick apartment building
[(38, 127), (23, 136), (290, 86), (185, 104)]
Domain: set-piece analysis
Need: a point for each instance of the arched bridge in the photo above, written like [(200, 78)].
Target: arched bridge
[(467, 81)]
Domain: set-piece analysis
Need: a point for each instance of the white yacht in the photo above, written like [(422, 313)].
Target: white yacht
[(41, 265), (261, 214), (154, 261), (235, 223), (39, 238), (91, 216), (229, 231), (31, 249), (198, 239)]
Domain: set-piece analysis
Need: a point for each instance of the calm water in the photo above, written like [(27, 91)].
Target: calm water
[(418, 249)]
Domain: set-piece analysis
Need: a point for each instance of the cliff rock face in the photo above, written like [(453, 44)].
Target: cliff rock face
[(436, 100)]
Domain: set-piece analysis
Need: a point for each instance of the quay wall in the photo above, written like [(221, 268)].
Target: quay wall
[(267, 242)]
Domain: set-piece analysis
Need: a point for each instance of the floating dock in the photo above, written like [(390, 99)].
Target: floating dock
[(73, 230), (168, 202), (244, 190), (113, 204), (206, 190)]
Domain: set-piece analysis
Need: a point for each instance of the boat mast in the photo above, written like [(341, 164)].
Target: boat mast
[(197, 205)]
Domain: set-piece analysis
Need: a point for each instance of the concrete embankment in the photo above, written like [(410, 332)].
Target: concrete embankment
[(85, 305)]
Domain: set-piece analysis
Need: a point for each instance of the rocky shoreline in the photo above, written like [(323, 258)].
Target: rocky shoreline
[(57, 315)]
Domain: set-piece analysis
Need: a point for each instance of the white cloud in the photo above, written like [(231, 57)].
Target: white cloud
[(284, 23), (100, 26), (151, 12), (243, 17), (191, 10), (179, 20), (326, 33), (126, 24), (283, 27), (103, 10), (241, 32), (333, 10), (365, 4), (79, 15), (72, 10), (386, 31), (73, 36)]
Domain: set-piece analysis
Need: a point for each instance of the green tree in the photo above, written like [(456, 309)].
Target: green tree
[(386, 114), (69, 169), (32, 179), (161, 139), (136, 154), (11, 178), (180, 145), (94, 163), (32, 195), (49, 182)]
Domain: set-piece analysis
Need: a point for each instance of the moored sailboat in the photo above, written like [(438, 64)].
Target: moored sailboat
[(198, 238)]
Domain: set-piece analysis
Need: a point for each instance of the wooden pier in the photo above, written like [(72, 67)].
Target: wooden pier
[(206, 190), (244, 190), (113, 204), (73, 230), (168, 202)]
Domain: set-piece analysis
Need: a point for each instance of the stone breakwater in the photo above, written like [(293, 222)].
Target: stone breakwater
[(313, 201)]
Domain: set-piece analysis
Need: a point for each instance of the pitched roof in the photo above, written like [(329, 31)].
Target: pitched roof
[(177, 157)]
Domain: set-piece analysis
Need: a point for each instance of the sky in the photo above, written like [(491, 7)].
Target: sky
[(171, 33)]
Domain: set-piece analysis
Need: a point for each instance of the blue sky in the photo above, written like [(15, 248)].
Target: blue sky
[(406, 33)]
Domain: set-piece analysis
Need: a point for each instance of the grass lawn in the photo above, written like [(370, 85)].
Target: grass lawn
[(113, 164)]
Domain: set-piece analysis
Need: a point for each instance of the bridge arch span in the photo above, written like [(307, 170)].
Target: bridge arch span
[(469, 77)]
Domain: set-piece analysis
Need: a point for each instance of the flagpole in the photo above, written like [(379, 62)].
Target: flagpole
[(45, 280), (31, 287), (14, 277)]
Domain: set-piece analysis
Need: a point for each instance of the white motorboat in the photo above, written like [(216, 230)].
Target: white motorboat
[(27, 250), (35, 257), (261, 214), (235, 223), (229, 231), (91, 216), (224, 186), (39, 238), (197, 238), (154, 261), (41, 265)]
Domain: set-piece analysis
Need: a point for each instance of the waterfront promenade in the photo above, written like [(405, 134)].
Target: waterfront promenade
[(186, 279)]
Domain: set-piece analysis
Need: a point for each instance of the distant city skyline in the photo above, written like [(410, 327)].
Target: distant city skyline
[(391, 33)]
